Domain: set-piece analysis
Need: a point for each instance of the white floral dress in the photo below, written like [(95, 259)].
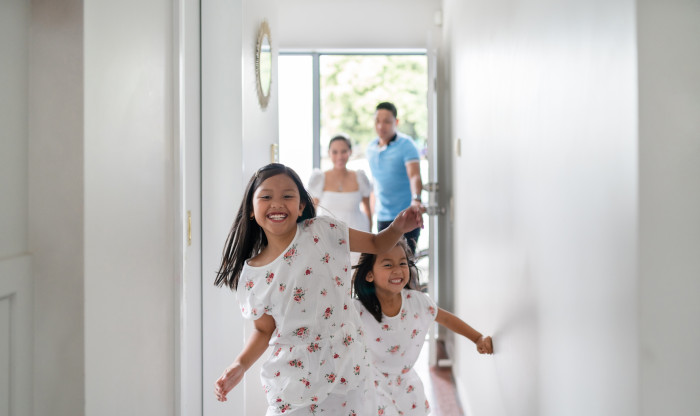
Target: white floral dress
[(394, 345), (319, 361)]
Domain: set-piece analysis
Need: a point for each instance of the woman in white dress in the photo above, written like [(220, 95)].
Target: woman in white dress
[(340, 192)]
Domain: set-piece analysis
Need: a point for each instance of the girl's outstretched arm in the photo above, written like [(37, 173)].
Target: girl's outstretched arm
[(253, 349), (484, 345), (407, 220)]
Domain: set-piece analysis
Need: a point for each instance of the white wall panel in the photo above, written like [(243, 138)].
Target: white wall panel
[(544, 104), (55, 158), (14, 47), (334, 24), (130, 314), (669, 235)]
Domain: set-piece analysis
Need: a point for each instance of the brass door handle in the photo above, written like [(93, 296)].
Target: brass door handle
[(189, 227)]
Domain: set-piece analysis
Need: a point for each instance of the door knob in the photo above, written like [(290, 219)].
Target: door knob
[(431, 186)]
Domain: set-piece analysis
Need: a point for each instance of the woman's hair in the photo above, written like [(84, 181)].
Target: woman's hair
[(366, 292), (246, 238), (342, 137)]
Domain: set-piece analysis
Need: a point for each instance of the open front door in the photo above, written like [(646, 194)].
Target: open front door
[(435, 212)]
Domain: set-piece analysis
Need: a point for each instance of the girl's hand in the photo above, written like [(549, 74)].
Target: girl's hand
[(484, 345), (231, 377), (409, 219)]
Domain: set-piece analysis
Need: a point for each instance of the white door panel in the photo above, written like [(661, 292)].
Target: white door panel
[(431, 184)]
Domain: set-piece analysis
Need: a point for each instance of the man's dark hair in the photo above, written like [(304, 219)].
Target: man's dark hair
[(387, 106)]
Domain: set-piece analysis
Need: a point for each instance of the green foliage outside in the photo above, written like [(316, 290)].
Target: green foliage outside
[(353, 85)]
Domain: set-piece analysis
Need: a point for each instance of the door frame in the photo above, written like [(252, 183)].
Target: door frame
[(431, 185), (187, 194)]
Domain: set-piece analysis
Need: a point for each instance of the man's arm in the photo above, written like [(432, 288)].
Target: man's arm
[(413, 172)]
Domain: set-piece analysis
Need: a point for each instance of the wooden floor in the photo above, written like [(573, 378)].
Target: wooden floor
[(439, 385)]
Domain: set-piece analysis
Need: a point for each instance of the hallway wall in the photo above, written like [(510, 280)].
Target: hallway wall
[(130, 315), (14, 50), (544, 105), (544, 98), (56, 211), (356, 24), (16, 281), (669, 205)]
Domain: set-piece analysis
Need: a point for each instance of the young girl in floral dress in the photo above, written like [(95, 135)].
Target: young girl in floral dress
[(290, 272), (396, 319)]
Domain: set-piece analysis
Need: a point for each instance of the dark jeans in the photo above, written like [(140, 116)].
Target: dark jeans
[(411, 236)]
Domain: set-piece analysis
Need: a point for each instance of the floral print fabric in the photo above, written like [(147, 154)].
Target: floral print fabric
[(318, 362), (394, 345)]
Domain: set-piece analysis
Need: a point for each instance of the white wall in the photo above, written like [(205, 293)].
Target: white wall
[(544, 102), (260, 125), (360, 24), (56, 204), (15, 262), (669, 165), (222, 186), (129, 208), (14, 47)]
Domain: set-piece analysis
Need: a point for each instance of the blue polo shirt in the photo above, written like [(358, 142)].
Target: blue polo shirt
[(392, 187)]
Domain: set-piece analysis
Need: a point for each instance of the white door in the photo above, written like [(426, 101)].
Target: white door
[(435, 208)]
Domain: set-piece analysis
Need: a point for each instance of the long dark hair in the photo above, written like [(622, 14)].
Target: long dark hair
[(366, 292), (246, 238)]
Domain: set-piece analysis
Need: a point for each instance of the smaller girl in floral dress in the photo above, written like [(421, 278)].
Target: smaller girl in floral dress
[(396, 319), (290, 270)]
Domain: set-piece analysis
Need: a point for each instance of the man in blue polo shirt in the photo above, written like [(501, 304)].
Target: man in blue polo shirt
[(395, 165)]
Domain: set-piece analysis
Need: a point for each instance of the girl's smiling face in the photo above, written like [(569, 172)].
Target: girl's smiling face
[(277, 205), (390, 272)]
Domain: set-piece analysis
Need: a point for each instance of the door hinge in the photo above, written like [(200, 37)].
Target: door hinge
[(435, 210)]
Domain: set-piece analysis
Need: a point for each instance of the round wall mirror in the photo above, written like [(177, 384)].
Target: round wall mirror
[(263, 64)]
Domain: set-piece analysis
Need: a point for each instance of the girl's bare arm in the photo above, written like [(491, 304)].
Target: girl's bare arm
[(408, 220), (254, 347), (484, 345)]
